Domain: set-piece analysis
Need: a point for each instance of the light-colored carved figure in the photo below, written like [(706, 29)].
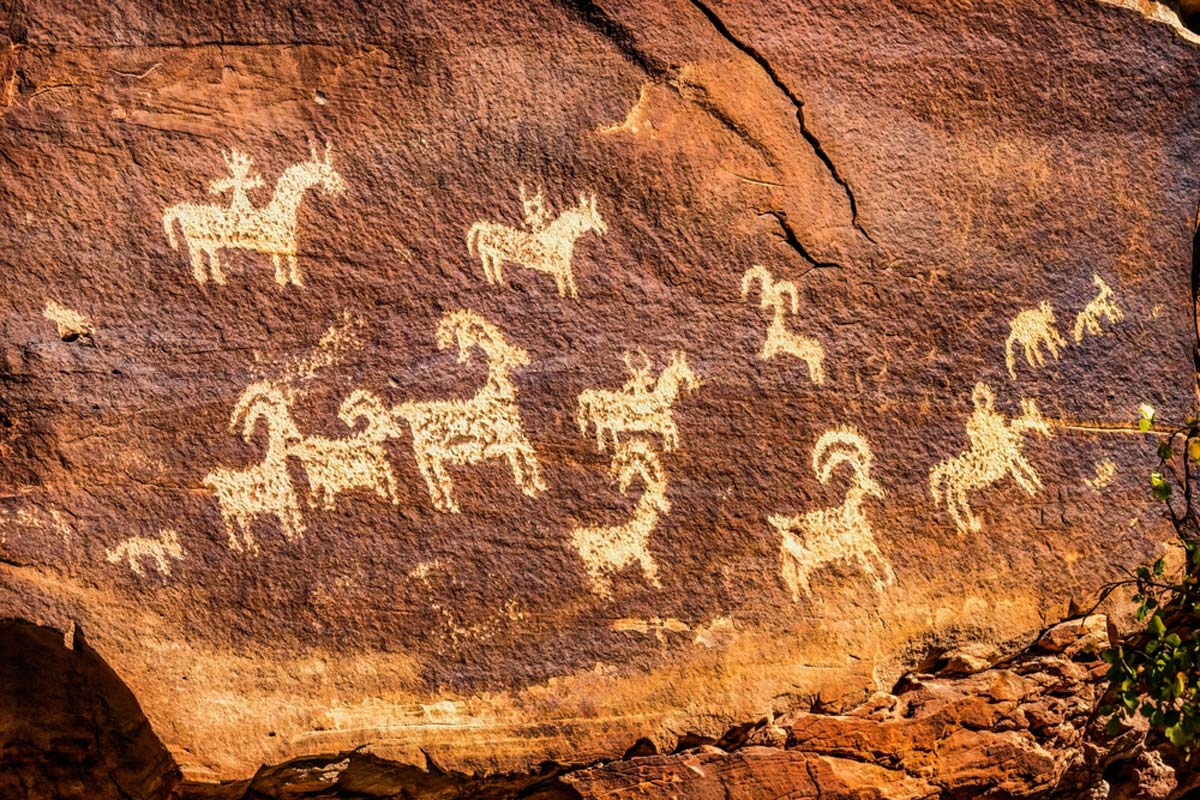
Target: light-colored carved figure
[(641, 405), (777, 295), (829, 535), (1032, 328), (1102, 306), (485, 426), (71, 324), (158, 549), (993, 453), (264, 489), (546, 246), (357, 461), (269, 229), (608, 550)]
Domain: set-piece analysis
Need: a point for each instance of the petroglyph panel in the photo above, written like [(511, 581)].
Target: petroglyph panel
[(551, 406)]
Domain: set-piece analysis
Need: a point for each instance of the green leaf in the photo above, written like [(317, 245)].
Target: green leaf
[(1157, 627), (1176, 735), (1159, 566), (1144, 425), (1165, 451)]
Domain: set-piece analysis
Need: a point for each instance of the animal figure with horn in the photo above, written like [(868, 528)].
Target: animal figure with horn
[(830, 535), (208, 229), (485, 426), (641, 405), (546, 246), (993, 453), (1101, 307), (778, 295), (264, 489), (358, 461), (608, 550)]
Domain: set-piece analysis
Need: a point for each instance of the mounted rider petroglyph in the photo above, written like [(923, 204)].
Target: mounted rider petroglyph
[(270, 229), (608, 550), (779, 296), (158, 550), (642, 405), (485, 426), (993, 453), (829, 535), (546, 246), (1101, 307), (1031, 329)]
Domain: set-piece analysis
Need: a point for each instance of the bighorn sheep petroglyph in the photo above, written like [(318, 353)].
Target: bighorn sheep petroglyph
[(843, 533), (776, 295), (607, 550), (485, 426), (1102, 306), (357, 461), (263, 489)]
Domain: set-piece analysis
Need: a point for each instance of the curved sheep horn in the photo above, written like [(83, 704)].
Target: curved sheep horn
[(789, 289)]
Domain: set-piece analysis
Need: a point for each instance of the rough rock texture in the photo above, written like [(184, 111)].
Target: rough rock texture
[(223, 416)]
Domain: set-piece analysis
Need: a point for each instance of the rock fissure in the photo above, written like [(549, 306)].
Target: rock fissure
[(721, 28)]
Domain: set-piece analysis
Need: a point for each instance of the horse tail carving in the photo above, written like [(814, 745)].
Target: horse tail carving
[(169, 218)]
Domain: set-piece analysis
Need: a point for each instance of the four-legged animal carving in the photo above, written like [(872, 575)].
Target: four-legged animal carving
[(1031, 328), (994, 452), (485, 426), (159, 549), (836, 534), (1102, 306), (639, 405), (356, 462), (606, 550), (544, 247), (776, 295), (269, 229), (263, 489)]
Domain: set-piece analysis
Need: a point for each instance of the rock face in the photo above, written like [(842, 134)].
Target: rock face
[(485, 386)]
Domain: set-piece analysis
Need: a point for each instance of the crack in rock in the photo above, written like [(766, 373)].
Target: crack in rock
[(758, 58)]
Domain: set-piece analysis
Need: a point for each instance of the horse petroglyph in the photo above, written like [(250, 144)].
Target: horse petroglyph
[(269, 229), (1101, 307), (546, 246), (829, 535), (607, 550), (993, 453), (1032, 328), (159, 549), (641, 405), (780, 296), (485, 426)]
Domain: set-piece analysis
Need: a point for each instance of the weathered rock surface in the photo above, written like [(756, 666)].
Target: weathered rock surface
[(344, 504)]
